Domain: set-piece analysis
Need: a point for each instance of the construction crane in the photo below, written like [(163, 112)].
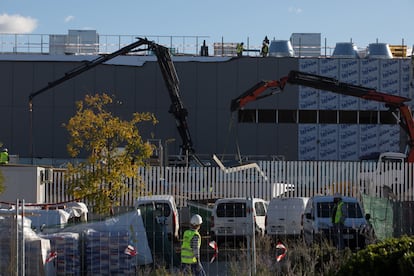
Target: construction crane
[(392, 102), (170, 77)]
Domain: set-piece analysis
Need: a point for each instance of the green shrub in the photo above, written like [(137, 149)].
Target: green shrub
[(394, 256)]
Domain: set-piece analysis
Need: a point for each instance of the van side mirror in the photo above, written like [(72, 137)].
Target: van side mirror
[(308, 216)]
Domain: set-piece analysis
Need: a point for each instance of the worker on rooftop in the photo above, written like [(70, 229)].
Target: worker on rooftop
[(4, 156), (265, 47), (240, 49)]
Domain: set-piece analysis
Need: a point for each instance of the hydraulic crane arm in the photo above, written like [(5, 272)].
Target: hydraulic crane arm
[(169, 75), (177, 108), (89, 65), (254, 93), (333, 85), (393, 102)]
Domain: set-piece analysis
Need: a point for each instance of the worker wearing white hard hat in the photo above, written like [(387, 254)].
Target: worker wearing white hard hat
[(190, 248)]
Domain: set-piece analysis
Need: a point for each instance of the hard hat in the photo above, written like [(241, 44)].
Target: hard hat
[(5, 150), (196, 220)]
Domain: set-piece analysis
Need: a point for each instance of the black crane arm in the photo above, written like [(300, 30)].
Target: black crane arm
[(169, 75), (87, 66), (177, 108)]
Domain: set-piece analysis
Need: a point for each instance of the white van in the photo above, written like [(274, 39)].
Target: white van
[(230, 217), (168, 213), (317, 222), (284, 216)]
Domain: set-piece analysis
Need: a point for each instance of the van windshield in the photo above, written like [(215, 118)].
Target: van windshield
[(260, 209), (325, 209), (162, 209), (231, 209)]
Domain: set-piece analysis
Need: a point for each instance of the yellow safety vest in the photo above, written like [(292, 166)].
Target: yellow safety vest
[(265, 49), (4, 158), (338, 214), (187, 254)]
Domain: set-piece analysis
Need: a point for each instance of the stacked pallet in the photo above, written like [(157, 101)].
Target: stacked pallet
[(108, 253), (65, 246)]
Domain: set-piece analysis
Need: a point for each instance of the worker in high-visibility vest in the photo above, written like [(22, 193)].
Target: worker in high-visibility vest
[(239, 49), (339, 215), (4, 156), (190, 248), (265, 49)]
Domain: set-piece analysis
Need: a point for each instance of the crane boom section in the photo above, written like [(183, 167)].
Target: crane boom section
[(254, 93), (177, 108), (393, 102), (333, 85), (170, 77), (89, 65)]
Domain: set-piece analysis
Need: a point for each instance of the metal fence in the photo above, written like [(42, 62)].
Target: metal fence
[(270, 179), (104, 44), (60, 253)]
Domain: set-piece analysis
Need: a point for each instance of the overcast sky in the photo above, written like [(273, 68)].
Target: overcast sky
[(363, 22)]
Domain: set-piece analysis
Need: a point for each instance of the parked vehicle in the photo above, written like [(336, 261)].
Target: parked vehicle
[(317, 222), (285, 216), (230, 217), (387, 170), (166, 209)]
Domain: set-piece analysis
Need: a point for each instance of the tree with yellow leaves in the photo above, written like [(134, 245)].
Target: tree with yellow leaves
[(114, 148)]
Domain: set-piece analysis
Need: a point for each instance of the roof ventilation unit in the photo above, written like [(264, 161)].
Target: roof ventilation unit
[(379, 50), (345, 50), (281, 48)]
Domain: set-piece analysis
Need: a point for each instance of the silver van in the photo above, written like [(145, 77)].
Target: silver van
[(285, 216), (230, 217), (317, 222)]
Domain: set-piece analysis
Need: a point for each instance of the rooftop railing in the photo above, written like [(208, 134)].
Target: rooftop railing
[(54, 44), (103, 44)]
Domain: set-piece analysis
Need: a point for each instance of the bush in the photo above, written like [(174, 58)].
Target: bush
[(394, 256)]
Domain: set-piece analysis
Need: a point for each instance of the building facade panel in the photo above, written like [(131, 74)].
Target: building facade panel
[(349, 73), (329, 68), (348, 142), (369, 76), (328, 146), (368, 141), (308, 142), (308, 96)]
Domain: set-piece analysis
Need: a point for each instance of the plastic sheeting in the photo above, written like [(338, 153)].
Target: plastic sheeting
[(36, 249), (117, 246), (382, 215), (103, 240)]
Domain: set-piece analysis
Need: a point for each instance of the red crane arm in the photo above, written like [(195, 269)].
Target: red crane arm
[(254, 93), (393, 102)]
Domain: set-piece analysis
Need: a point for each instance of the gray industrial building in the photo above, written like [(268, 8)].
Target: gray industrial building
[(296, 124)]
